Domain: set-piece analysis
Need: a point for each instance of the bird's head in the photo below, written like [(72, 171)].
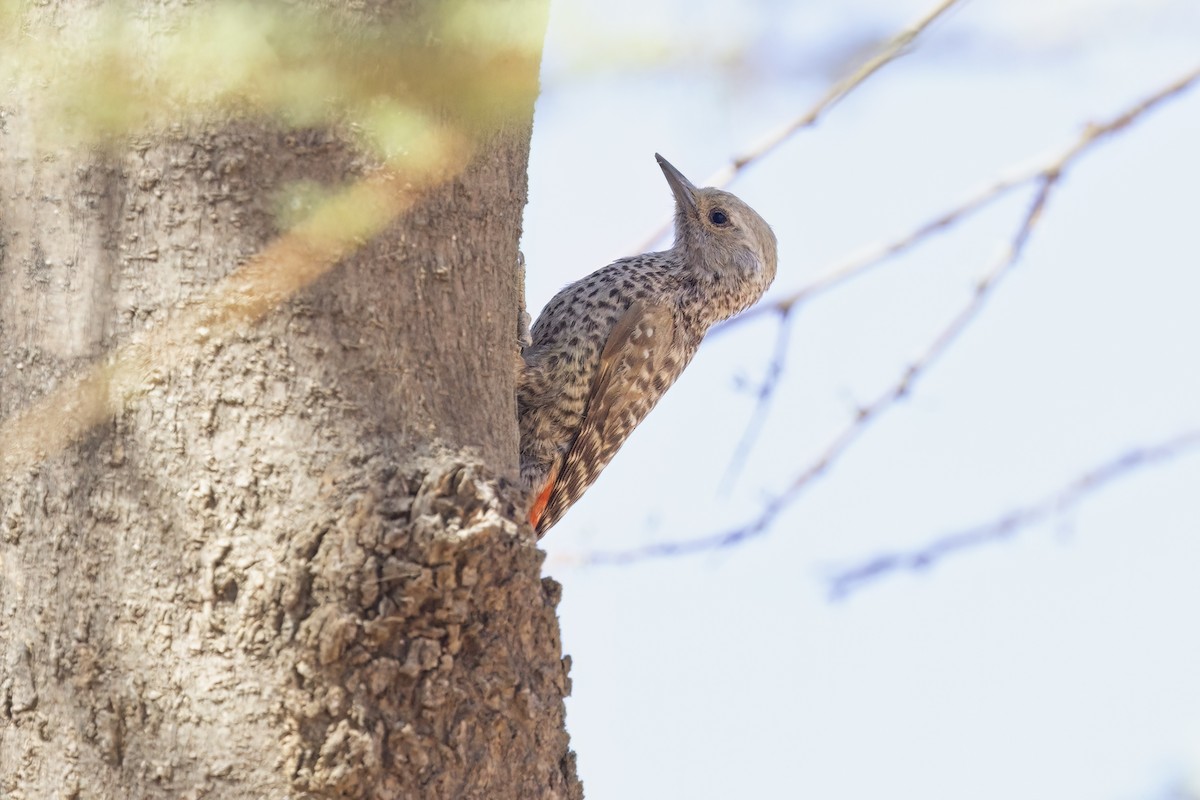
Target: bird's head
[(718, 234)]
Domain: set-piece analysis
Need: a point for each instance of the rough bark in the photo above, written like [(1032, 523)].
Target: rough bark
[(287, 565)]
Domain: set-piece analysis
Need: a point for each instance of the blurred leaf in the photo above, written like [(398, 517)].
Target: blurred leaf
[(120, 69)]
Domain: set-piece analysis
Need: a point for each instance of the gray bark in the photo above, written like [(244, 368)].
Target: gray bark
[(288, 564)]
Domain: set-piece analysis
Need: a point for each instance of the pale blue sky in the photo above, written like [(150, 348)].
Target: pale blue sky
[(1063, 664)]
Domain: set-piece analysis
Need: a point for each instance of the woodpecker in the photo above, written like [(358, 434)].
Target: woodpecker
[(606, 347)]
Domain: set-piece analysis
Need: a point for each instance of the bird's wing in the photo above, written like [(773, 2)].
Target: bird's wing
[(636, 367)]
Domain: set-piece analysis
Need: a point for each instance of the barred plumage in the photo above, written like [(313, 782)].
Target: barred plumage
[(607, 347)]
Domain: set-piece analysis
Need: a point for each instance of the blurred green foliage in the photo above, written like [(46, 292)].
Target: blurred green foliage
[(398, 82)]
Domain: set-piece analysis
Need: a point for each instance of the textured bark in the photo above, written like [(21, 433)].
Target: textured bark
[(288, 564)]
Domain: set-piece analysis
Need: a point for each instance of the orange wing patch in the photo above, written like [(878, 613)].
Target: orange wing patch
[(539, 505)]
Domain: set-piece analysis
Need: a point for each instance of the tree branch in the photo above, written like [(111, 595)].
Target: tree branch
[(1020, 175), (1046, 178), (845, 582), (895, 47), (763, 397)]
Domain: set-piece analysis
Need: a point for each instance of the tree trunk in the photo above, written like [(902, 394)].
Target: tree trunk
[(255, 535)]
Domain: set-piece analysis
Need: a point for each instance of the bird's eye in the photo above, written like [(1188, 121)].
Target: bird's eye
[(718, 217)]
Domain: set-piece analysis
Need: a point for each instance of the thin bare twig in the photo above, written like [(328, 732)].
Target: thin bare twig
[(898, 45), (1047, 178), (845, 582), (1020, 175), (866, 415), (895, 47), (763, 398)]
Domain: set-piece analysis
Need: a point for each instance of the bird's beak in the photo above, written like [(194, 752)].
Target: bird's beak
[(685, 193)]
